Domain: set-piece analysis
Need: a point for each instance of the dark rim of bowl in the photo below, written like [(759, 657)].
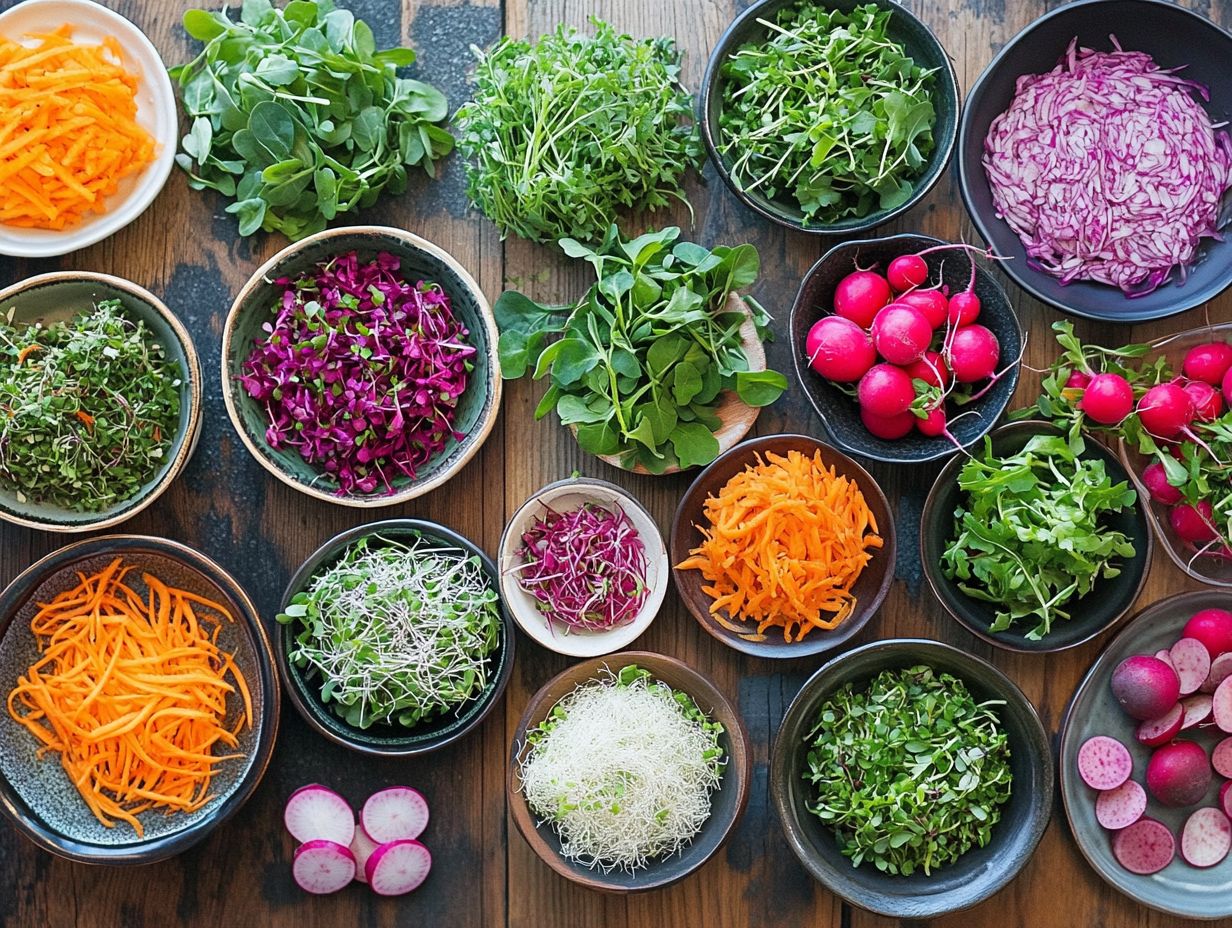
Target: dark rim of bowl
[(155, 849), (940, 157), (299, 690)]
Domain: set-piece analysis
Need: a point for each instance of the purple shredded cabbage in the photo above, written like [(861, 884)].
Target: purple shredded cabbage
[(361, 372)]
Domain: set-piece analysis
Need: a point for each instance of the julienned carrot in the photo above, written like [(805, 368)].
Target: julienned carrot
[(68, 129), (787, 541), (132, 692)]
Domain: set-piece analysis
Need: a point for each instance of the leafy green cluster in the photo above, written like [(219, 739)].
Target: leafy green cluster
[(564, 133), (1031, 534), (297, 116), (827, 110), (647, 352), (911, 772)]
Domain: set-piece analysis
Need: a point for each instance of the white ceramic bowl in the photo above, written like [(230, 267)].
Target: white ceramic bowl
[(567, 495), (155, 112)]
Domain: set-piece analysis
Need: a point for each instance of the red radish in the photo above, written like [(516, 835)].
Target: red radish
[(1104, 763), (1221, 760), (1221, 706), (1145, 847), (890, 428), (963, 310), (1077, 380), (1166, 656), (1221, 669), (972, 354), (1207, 363), (932, 303), (1195, 524), (397, 867), (1179, 773), (394, 814), (1197, 710), (839, 350), (901, 334), (1165, 411), (1107, 399), (1225, 798), (1207, 400), (1213, 627), (1159, 731), (885, 391), (1145, 687), (1121, 807), (1192, 663), (859, 295), (323, 867), (931, 369), (1226, 386), (1206, 838), (933, 424), (315, 811), (362, 847), (1155, 478), (906, 272)]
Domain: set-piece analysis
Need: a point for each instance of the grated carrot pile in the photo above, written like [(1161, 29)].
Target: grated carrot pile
[(787, 541), (68, 129), (131, 692)]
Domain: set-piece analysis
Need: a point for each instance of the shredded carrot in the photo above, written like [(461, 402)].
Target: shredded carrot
[(132, 693), (787, 540), (68, 129)]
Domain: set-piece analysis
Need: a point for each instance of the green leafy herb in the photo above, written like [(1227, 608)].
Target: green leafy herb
[(911, 772), (827, 110), (1031, 534), (299, 118), (89, 408), (646, 354), (563, 134)]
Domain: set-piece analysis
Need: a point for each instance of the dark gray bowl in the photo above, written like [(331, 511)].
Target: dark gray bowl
[(923, 48), (980, 872), (1093, 615), (392, 740), (1174, 37), (838, 412)]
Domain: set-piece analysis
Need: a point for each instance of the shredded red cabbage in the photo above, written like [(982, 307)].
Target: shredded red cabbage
[(585, 568), (361, 371), (1109, 169)]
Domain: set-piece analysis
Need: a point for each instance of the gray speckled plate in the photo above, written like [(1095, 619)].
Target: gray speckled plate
[(37, 794), (1179, 888)]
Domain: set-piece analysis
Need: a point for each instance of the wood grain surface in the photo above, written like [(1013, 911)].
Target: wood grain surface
[(187, 251)]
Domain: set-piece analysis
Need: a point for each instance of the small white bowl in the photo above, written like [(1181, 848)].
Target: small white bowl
[(567, 495), (156, 113)]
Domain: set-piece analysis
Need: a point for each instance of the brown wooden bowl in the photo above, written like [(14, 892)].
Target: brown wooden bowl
[(870, 590), (727, 802)]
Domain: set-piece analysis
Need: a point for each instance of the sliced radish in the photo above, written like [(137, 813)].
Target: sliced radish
[(1104, 763), (1197, 709), (315, 811), (394, 814), (1145, 847), (397, 867), (1161, 730), (1121, 807), (1206, 838), (323, 867), (1225, 798), (1192, 663), (1166, 656), (1221, 669), (1221, 705), (1221, 758), (362, 847)]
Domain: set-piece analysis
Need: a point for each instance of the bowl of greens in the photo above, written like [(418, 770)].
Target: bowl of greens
[(1037, 542), (830, 117), (911, 778), (100, 387), (393, 639)]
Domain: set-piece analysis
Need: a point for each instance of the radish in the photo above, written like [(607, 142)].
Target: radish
[(901, 333), (362, 847), (397, 867), (1104, 763), (1166, 656), (932, 303), (1155, 479), (1207, 400), (890, 428), (1221, 669), (1213, 627), (1155, 732), (1192, 662), (1206, 838), (1221, 760), (885, 391), (963, 310), (933, 424), (394, 814), (1121, 807), (839, 350), (1165, 411), (907, 272), (1221, 706), (1225, 797), (1207, 363), (1107, 399), (1226, 386), (1194, 523), (1145, 847), (317, 812), (931, 369), (1178, 774), (972, 354), (1197, 710), (1077, 380), (323, 867), (1145, 687), (859, 295)]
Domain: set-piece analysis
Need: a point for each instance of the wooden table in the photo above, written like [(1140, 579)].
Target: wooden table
[(186, 250)]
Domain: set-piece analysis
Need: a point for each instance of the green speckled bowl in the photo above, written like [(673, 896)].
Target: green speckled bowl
[(421, 260)]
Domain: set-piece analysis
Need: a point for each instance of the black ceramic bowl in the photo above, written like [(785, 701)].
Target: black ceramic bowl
[(391, 740), (1174, 37), (839, 414), (1093, 614), (981, 871), (904, 28)]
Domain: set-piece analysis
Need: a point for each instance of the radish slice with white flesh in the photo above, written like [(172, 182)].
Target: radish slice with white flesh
[(1206, 838), (315, 811), (1197, 710), (395, 814), (1221, 706), (1221, 669), (1145, 847), (1225, 798), (1192, 663), (1161, 730), (323, 867), (1166, 656), (1104, 763), (1121, 807), (397, 867), (362, 847), (1221, 758)]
